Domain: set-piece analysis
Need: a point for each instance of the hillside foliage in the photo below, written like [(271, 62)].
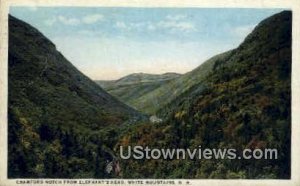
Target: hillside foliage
[(61, 124), (245, 102)]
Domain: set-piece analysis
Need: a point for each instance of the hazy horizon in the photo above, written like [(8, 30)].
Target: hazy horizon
[(109, 43)]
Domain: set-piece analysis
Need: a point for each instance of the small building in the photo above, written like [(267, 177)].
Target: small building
[(155, 119)]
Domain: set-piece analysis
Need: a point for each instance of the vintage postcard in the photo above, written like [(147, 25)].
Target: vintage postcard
[(148, 93)]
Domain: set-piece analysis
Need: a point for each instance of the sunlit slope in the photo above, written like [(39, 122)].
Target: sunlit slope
[(244, 102), (152, 101)]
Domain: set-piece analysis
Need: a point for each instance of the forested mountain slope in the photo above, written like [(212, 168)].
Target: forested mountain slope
[(129, 88), (54, 111), (243, 102)]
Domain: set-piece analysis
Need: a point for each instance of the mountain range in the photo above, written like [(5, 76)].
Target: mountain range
[(63, 125), (132, 87), (240, 99), (150, 97)]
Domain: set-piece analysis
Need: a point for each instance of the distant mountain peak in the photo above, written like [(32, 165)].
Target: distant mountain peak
[(146, 77)]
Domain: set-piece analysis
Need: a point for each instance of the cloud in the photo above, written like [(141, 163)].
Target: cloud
[(69, 21), (89, 19), (50, 22), (176, 17), (121, 25), (174, 26), (170, 23), (140, 26), (177, 23), (86, 32), (151, 27)]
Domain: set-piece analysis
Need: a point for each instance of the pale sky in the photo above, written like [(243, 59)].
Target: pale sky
[(108, 43)]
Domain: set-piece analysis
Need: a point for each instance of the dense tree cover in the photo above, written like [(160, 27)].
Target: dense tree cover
[(61, 124), (160, 96), (245, 102), (130, 88), (54, 152), (58, 119)]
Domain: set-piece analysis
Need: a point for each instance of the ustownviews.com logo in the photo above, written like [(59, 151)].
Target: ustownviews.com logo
[(140, 152)]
